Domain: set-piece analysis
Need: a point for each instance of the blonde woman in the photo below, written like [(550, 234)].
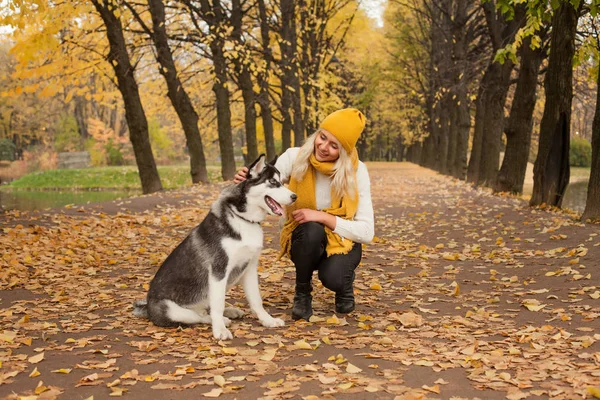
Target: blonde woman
[(333, 214)]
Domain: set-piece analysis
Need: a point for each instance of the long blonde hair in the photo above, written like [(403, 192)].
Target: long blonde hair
[(343, 179)]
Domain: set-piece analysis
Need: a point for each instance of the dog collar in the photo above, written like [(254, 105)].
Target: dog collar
[(245, 219)]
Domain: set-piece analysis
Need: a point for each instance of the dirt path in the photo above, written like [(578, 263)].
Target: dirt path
[(463, 295)]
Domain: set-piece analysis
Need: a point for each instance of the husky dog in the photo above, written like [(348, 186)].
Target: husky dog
[(190, 286)]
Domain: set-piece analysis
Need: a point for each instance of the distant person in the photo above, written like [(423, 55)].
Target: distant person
[(333, 214)]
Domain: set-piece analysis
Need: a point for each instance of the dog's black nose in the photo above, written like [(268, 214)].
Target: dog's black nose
[(294, 197)]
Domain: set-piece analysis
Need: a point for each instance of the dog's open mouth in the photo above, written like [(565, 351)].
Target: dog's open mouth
[(274, 206)]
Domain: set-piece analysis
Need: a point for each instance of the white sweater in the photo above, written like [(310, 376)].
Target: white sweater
[(362, 228)]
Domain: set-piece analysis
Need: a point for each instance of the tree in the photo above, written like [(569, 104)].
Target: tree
[(263, 81), (242, 61), (213, 15), (551, 169), (520, 122), (489, 121), (176, 92), (118, 57)]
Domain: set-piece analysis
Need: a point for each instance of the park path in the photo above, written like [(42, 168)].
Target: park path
[(462, 295)]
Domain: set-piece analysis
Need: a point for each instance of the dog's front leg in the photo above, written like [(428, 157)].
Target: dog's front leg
[(252, 291), (216, 295)]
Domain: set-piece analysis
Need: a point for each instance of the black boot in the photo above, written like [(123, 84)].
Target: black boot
[(302, 302), (344, 300), (344, 303)]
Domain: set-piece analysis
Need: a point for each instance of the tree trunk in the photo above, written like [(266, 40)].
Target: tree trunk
[(177, 94), (520, 122), (134, 111), (223, 110), (290, 81), (461, 116), (551, 169), (287, 55), (477, 146), (263, 79), (493, 122), (245, 82), (592, 204)]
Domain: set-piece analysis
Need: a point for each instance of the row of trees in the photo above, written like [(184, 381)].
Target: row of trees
[(450, 84), (473, 58), (266, 56)]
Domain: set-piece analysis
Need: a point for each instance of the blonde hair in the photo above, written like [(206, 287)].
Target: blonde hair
[(343, 179)]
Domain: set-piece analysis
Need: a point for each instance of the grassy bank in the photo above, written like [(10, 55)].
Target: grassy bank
[(123, 178)]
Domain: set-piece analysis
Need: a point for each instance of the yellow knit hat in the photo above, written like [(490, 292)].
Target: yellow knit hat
[(346, 125)]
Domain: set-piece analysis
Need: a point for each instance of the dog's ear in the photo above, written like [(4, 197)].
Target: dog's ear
[(256, 167), (273, 161)]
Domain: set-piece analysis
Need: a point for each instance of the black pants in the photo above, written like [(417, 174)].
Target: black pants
[(308, 254)]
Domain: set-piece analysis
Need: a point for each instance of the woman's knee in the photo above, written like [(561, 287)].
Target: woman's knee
[(332, 280), (308, 237)]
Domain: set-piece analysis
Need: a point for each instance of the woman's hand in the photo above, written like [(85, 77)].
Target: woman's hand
[(304, 215), (240, 176)]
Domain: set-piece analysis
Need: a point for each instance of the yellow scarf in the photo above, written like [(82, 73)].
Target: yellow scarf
[(305, 189)]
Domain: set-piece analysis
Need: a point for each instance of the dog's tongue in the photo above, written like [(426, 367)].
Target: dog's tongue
[(274, 206)]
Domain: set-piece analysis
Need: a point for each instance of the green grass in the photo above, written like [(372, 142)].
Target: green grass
[(125, 178)]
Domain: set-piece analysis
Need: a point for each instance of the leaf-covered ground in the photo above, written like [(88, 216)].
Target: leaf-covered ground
[(463, 295)]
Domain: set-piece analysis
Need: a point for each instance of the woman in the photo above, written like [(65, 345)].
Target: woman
[(333, 214)]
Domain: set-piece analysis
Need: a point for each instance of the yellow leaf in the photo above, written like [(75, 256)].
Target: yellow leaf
[(333, 320), (456, 291), (352, 369), (213, 393), (36, 359), (63, 370), (595, 295), (434, 389), (594, 391), (117, 391), (230, 351), (345, 386), (40, 388), (8, 336), (219, 380), (375, 286), (34, 373), (302, 344), (533, 305)]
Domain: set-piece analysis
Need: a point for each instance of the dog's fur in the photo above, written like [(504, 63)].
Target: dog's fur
[(191, 284)]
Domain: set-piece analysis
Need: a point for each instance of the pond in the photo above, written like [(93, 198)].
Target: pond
[(575, 197), (29, 200)]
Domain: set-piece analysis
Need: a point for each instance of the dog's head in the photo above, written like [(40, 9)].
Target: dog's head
[(263, 187)]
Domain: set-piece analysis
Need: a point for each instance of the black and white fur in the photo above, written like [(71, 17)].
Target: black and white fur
[(191, 284)]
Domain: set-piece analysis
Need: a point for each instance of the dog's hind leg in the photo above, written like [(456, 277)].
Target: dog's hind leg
[(216, 296), (232, 312), (252, 291), (169, 313)]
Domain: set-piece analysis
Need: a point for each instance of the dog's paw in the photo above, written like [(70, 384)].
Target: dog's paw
[(222, 333), (233, 313), (272, 322), (227, 321)]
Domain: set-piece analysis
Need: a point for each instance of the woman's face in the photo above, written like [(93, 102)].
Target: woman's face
[(327, 147)]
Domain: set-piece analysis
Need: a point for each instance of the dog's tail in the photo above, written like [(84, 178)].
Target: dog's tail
[(140, 308)]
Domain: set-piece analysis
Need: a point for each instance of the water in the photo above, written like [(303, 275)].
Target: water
[(575, 196), (30, 200)]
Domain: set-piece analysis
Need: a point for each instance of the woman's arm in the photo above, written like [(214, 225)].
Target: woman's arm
[(362, 228)]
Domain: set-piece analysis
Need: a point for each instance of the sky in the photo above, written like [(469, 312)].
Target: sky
[(374, 9)]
